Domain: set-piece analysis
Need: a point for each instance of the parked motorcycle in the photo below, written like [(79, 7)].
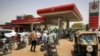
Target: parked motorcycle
[(21, 44), (5, 46), (29, 41), (71, 38), (42, 48)]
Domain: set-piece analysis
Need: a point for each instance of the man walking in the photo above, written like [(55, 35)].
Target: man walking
[(33, 37)]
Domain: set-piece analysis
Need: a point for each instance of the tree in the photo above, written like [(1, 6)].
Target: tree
[(77, 26)]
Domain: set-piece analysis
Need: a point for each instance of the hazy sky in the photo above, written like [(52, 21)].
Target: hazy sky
[(9, 9)]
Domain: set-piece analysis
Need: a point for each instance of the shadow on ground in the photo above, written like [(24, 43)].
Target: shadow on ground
[(98, 49), (1, 54), (73, 54)]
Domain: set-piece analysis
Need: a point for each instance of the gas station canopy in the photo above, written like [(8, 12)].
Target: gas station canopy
[(11, 26), (67, 11)]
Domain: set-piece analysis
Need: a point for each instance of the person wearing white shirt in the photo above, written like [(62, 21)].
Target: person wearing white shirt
[(38, 37), (22, 39), (44, 36)]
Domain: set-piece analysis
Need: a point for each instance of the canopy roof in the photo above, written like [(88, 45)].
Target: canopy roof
[(67, 11), (11, 26), (28, 21)]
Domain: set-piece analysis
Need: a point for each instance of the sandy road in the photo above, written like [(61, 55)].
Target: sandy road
[(64, 49)]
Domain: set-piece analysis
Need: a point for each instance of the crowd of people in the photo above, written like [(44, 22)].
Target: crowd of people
[(36, 37), (46, 37)]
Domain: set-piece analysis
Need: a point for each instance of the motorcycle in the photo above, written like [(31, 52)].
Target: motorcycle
[(21, 44), (5, 46), (29, 41), (71, 38), (51, 50), (42, 48)]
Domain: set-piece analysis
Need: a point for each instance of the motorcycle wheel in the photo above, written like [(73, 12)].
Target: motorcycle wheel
[(45, 54), (12, 45), (55, 55), (41, 49), (7, 50)]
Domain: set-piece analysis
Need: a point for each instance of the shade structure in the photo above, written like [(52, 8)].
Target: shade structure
[(15, 26), (29, 21), (67, 11)]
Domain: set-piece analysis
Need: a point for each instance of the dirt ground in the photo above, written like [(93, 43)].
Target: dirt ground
[(64, 49)]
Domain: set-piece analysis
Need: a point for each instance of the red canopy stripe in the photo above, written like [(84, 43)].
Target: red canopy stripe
[(22, 21), (66, 7)]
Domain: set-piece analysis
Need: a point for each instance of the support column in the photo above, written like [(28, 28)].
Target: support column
[(60, 23), (18, 29), (31, 27), (60, 27), (45, 25), (67, 24)]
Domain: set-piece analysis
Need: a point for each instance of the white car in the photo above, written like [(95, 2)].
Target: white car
[(25, 33), (8, 32)]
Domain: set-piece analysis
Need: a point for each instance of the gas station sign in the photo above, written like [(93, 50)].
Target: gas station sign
[(93, 22), (94, 7), (94, 15)]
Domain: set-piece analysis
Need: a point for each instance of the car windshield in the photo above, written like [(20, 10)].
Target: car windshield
[(7, 31), (0, 34), (88, 37)]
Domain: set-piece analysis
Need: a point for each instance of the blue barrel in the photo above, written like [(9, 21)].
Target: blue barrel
[(19, 17), (7, 23)]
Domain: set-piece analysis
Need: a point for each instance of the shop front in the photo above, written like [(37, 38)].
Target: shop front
[(28, 23)]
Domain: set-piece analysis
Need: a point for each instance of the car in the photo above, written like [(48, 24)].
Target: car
[(8, 32), (26, 33)]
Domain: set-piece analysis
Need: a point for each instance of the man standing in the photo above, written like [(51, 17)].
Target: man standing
[(33, 37)]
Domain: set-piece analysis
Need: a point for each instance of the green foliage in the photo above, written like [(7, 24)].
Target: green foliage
[(77, 26)]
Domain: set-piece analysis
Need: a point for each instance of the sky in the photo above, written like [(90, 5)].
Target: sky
[(9, 9)]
